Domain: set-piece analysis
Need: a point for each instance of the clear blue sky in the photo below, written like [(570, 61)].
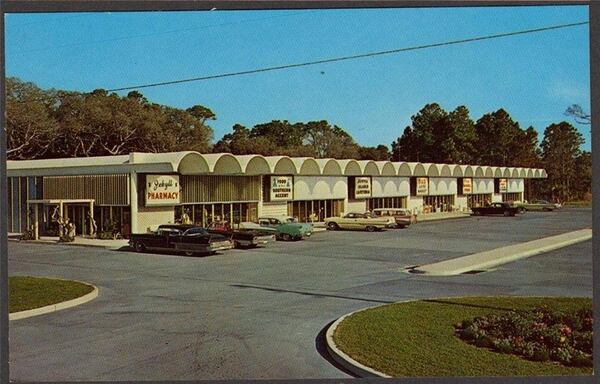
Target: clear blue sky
[(535, 76)]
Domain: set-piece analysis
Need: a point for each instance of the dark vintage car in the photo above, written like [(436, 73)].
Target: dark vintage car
[(403, 217), (183, 238), (242, 238), (499, 208)]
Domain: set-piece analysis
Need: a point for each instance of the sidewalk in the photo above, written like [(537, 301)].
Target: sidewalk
[(503, 255), (79, 241)]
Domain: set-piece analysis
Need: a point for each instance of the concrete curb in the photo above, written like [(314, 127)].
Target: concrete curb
[(343, 359), (56, 307), (56, 242), (488, 259), (425, 220)]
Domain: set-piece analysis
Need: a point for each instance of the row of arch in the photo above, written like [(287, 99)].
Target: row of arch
[(229, 164)]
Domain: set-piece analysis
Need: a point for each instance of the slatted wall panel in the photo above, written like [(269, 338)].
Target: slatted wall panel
[(104, 189), (207, 189)]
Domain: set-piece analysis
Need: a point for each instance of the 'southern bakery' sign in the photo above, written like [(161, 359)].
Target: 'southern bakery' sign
[(422, 186), (362, 187), (467, 186), (281, 188), (162, 190), (503, 185)]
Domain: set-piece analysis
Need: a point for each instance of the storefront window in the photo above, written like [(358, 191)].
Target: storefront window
[(386, 202), (444, 203), (512, 197), (315, 210), (479, 200)]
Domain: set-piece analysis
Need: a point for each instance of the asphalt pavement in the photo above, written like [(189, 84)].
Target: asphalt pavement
[(246, 314)]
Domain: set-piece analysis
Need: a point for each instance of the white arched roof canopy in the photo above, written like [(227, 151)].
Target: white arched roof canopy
[(467, 170), (350, 167), (329, 167), (417, 169), (530, 173), (537, 173), (223, 163), (402, 169), (192, 163), (368, 167), (281, 165), (506, 172), (544, 174), (479, 171), (254, 165), (306, 166), (444, 170), (456, 170), (386, 168), (498, 171), (514, 172)]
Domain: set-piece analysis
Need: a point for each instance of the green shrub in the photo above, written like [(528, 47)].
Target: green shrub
[(540, 334)]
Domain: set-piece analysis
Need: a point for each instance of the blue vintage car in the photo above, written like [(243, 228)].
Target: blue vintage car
[(287, 227)]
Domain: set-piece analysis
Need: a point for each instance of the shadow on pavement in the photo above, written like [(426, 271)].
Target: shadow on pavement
[(321, 345)]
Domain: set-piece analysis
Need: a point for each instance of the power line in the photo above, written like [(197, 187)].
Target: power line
[(352, 57), (120, 38)]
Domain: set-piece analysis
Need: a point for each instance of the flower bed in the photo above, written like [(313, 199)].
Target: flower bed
[(540, 334)]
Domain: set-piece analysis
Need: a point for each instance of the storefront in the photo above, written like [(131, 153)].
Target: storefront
[(137, 192)]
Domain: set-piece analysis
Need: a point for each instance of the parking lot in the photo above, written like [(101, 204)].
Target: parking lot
[(260, 313)]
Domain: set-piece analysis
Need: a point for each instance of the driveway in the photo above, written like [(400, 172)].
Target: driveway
[(260, 313)]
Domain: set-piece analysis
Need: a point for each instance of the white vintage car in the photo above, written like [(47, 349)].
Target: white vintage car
[(364, 221)]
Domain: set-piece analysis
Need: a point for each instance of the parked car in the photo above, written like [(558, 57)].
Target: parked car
[(539, 205), (184, 238), (403, 217), (364, 221), (286, 227), (242, 237), (498, 208)]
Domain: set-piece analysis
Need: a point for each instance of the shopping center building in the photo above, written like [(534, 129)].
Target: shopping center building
[(142, 190)]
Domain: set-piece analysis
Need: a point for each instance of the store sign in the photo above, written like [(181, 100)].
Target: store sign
[(422, 186), (162, 190), (503, 185), (281, 188), (467, 186), (362, 187)]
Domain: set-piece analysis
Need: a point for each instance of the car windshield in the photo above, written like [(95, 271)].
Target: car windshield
[(194, 231), (291, 220)]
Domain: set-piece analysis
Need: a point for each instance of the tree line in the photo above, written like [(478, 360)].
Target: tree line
[(55, 123)]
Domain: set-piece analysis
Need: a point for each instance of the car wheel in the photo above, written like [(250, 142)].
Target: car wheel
[(286, 237), (189, 253), (333, 226), (139, 247), (370, 228)]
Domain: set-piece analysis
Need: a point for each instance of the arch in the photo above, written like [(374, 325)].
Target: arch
[(254, 165), (498, 171), (544, 174), (506, 172), (537, 173), (488, 171), (467, 170), (530, 173), (306, 166), (479, 171), (432, 169), (281, 165), (417, 169), (329, 167), (522, 172), (223, 163), (192, 163), (444, 170), (403, 169), (514, 173), (350, 167), (368, 167), (386, 168), (456, 170)]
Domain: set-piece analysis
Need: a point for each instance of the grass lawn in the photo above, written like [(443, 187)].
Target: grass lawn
[(25, 292), (417, 338)]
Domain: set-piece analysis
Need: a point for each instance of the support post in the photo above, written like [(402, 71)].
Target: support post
[(36, 222), (133, 201)]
